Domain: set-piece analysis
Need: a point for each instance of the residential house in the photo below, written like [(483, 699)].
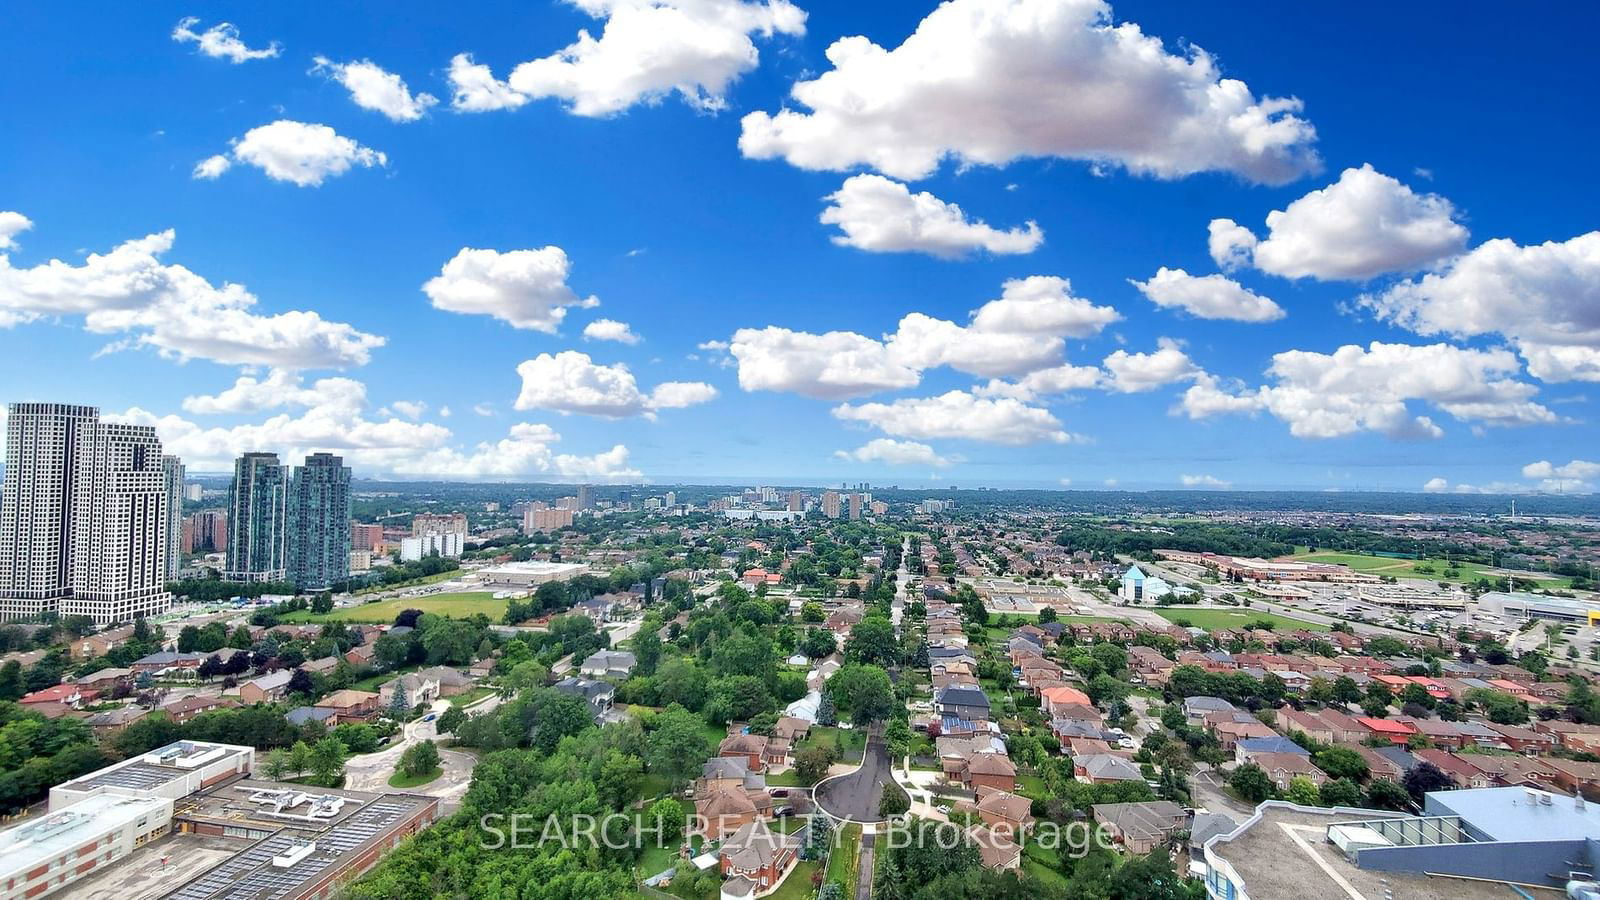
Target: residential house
[(69, 695), (760, 855), (350, 706), (302, 715), (1524, 740), (105, 680), (608, 664), (362, 655), (1247, 749), (1004, 810), (90, 646), (752, 748), (791, 728), (1141, 827), (992, 770), (963, 702), (1195, 709), (413, 688), (1282, 767), (181, 711), (268, 688), (1392, 730), (1104, 768), (598, 694), (1574, 777), (996, 849), (112, 722), (1051, 699), (1459, 768), (164, 661)]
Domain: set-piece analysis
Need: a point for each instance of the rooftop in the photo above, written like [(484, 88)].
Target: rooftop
[(1508, 814), (38, 840)]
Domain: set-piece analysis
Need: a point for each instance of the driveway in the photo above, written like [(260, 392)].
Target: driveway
[(1205, 791), (371, 771), (854, 795)]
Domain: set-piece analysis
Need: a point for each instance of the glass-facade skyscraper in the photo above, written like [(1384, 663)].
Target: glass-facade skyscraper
[(319, 523), (257, 526)]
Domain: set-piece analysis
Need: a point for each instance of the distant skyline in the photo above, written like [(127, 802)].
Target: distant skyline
[(1031, 243)]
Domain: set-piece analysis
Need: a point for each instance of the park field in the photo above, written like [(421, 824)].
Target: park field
[(459, 605), (1209, 618), (1407, 568)]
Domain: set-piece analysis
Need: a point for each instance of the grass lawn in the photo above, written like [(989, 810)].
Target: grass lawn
[(1233, 618), (854, 741), (458, 604), (1032, 787), (842, 866), (472, 695), (399, 780), (798, 885), (372, 682), (1407, 568), (656, 860), (786, 778)]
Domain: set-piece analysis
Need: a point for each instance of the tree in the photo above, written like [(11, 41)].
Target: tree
[(419, 759), (1303, 791), (1425, 778), (864, 692), (300, 683), (897, 738), (1342, 762), (1383, 793), (818, 642), (1345, 689), (872, 640), (893, 801), (670, 817), (1340, 792), (675, 745), (450, 720), (327, 761), (1251, 783), (390, 651), (812, 763), (560, 715), (827, 712), (11, 686), (1047, 615), (357, 737), (277, 765)]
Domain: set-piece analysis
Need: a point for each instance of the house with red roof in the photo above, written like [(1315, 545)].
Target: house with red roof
[(1396, 732)]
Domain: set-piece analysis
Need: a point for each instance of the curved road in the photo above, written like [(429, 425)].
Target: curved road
[(371, 771), (854, 796)]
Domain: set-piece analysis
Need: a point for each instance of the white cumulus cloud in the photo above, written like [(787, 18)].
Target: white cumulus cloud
[(1208, 296), (883, 216), (221, 41), (895, 453), (1356, 389), (525, 288), (1132, 373), (130, 292), (1205, 481), (647, 50), (302, 154), (831, 366), (959, 414), (1363, 225), (1544, 298), (373, 88), (989, 81), (571, 382), (11, 225), (610, 330)]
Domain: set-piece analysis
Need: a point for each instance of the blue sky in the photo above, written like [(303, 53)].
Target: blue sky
[(1459, 271)]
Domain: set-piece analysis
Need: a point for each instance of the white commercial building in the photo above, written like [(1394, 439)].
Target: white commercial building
[(54, 851), (445, 543), (42, 456), (531, 574)]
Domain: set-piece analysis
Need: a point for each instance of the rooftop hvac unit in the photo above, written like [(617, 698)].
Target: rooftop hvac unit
[(293, 855), (1351, 839)]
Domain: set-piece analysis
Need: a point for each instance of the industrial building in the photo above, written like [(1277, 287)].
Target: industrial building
[(211, 832), (531, 574), (1468, 844), (1523, 605)]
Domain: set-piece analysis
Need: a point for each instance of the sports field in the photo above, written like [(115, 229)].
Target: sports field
[(460, 605), (1209, 618), (1407, 568)]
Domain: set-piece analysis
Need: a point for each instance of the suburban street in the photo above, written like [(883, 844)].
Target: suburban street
[(854, 795), (371, 771)]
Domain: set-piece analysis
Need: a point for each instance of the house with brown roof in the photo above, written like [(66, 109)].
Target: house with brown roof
[(1575, 777), (752, 748), (1524, 740), (1004, 810), (761, 855), (349, 706), (1282, 767), (1460, 768), (1141, 827), (995, 849), (992, 770), (181, 711)]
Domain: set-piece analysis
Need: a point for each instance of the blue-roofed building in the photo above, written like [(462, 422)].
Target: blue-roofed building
[(1133, 585), (1247, 748)]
